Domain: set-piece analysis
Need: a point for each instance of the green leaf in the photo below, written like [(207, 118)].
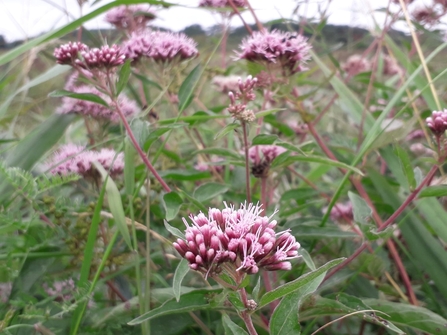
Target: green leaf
[(264, 139), (44, 77), (297, 283), (307, 259), (129, 167), (174, 231), (180, 273), (434, 191), (208, 191), (189, 302), (183, 175), (227, 129), (81, 96), (312, 159), (268, 112), (362, 212), (307, 232), (140, 129), (404, 315), (188, 86), (235, 300), (172, 202), (285, 317), (230, 327), (435, 214), (123, 77), (115, 204), (405, 163), (222, 152)]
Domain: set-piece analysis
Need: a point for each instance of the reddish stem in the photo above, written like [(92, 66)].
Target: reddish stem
[(247, 162)]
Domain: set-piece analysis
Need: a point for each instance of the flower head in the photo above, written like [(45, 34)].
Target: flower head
[(95, 110), (226, 84), (241, 237), (356, 64), (341, 211), (67, 54), (425, 15), (75, 159), (221, 3), (288, 51), (105, 57), (134, 17), (160, 46), (437, 122), (390, 66), (262, 157)]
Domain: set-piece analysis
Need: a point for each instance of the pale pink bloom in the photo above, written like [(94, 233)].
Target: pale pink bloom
[(62, 290), (105, 57), (356, 64), (266, 153), (341, 211), (221, 3), (438, 122), (160, 46), (202, 166), (420, 150), (245, 94), (5, 291), (95, 110), (67, 54), (425, 15), (298, 127), (390, 66), (415, 135), (241, 237), (133, 17), (288, 51), (75, 159)]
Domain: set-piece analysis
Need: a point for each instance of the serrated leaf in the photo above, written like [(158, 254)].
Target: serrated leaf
[(208, 191), (434, 191), (174, 231), (285, 317), (230, 327), (187, 88), (297, 283), (227, 129), (180, 273), (81, 96), (124, 75), (172, 202), (115, 204), (405, 163), (362, 212), (189, 302)]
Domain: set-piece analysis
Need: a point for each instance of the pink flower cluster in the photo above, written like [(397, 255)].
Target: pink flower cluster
[(160, 46), (437, 122), (241, 238), (214, 162), (76, 159), (262, 157), (131, 18), (95, 110), (356, 64), (61, 289), (289, 51), (221, 3), (79, 55), (245, 94), (341, 211)]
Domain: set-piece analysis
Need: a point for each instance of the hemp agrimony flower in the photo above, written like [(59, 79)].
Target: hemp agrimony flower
[(134, 17), (236, 240), (437, 122), (356, 64), (286, 50), (262, 156), (221, 3), (245, 94), (75, 159)]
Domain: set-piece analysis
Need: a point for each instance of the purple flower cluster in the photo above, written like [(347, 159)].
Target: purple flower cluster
[(76, 159), (79, 55), (68, 54), (221, 3), (160, 46), (245, 94), (289, 51), (437, 122), (356, 64), (134, 17), (262, 157), (241, 238), (95, 110)]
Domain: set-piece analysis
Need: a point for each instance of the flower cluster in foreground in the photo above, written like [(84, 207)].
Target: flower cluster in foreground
[(160, 46), (237, 240), (288, 51), (437, 122), (76, 159)]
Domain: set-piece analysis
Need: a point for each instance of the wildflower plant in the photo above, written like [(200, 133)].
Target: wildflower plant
[(280, 182)]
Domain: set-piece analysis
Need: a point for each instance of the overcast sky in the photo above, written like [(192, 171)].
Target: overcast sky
[(21, 19)]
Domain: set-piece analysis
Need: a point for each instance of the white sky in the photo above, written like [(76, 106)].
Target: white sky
[(21, 19)]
